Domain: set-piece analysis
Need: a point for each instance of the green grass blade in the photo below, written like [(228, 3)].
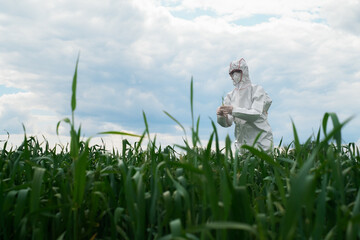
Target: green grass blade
[(140, 141), (352, 231), (297, 144), (140, 206), (324, 123), (232, 225), (196, 138), (74, 144), (176, 228), (120, 133), (156, 193), (217, 148), (257, 138), (146, 125), (177, 122), (74, 83), (183, 192), (301, 188), (337, 135), (80, 176), (36, 189), (265, 157), (67, 120), (320, 211), (21, 203), (192, 102)]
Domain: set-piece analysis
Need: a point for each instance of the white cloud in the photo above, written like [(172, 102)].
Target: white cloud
[(11, 78), (244, 9), (343, 15)]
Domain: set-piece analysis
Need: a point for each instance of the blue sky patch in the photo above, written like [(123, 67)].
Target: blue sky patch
[(254, 19), (192, 14), (319, 20), (167, 3), (8, 90)]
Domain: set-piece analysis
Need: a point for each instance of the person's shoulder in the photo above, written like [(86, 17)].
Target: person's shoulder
[(231, 92), (257, 87), (258, 90)]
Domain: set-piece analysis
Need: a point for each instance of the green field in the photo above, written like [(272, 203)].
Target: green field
[(304, 190)]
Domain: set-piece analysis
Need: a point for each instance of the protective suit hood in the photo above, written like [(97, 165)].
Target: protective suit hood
[(240, 65)]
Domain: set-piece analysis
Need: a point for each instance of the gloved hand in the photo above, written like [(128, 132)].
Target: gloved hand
[(224, 110), (227, 109), (219, 111)]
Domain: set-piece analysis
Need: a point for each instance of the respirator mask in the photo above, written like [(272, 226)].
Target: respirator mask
[(236, 77)]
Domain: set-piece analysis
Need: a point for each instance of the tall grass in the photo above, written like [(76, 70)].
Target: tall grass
[(300, 191)]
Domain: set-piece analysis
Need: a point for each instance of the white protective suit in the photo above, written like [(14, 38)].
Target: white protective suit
[(250, 109)]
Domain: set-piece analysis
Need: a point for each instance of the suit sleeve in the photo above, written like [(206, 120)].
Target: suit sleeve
[(226, 121), (260, 104)]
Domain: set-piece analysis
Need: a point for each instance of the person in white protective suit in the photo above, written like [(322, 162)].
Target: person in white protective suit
[(247, 105)]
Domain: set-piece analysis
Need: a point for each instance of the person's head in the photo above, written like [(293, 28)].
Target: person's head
[(238, 71), (236, 76)]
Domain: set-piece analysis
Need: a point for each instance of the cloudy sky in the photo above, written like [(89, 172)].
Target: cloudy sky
[(140, 55)]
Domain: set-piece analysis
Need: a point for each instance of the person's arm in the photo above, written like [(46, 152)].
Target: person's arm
[(260, 101), (249, 115), (223, 118)]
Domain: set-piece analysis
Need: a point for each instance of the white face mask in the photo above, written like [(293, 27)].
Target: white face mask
[(236, 77)]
